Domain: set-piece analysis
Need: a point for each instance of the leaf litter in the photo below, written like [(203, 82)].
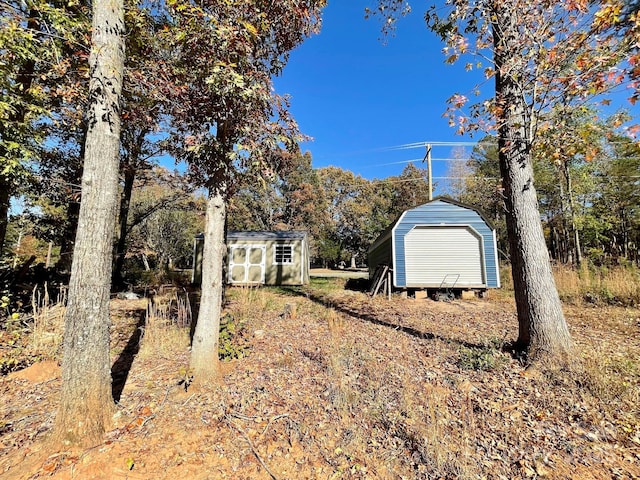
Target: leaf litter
[(351, 387)]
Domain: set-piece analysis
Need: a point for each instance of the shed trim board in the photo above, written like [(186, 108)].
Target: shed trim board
[(495, 249), (394, 248), (247, 265)]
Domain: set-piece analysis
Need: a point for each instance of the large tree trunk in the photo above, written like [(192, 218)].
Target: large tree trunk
[(543, 331), (86, 403), (204, 349)]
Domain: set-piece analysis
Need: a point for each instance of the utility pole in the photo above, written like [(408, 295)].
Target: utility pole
[(427, 157)]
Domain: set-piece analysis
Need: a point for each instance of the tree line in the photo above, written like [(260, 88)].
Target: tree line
[(589, 203)]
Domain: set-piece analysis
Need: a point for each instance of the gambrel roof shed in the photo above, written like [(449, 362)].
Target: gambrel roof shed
[(440, 241)]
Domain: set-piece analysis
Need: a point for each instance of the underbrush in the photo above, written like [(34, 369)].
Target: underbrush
[(485, 357), (165, 321), (619, 285), (166, 326), (26, 338)]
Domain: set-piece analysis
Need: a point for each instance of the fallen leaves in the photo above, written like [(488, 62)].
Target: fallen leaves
[(364, 389)]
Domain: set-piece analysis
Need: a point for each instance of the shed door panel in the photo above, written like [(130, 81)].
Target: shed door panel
[(435, 253), (247, 264)]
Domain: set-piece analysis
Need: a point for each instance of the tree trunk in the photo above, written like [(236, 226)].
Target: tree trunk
[(73, 211), (49, 250), (543, 331), (5, 196), (68, 238), (204, 349), (145, 262), (86, 403), (566, 243), (125, 203), (577, 249)]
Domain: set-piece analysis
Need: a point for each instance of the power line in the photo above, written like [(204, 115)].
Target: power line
[(424, 144)]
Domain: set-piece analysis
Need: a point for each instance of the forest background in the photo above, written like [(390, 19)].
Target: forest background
[(587, 165)]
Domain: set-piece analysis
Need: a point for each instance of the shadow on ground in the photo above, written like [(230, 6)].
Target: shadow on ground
[(122, 366)]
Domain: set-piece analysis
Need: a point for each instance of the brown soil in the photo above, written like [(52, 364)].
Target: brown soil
[(352, 387)]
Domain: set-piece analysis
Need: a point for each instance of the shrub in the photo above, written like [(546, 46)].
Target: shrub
[(480, 358), (228, 348)]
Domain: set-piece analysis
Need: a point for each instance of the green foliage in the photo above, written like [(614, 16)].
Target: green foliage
[(230, 331), (487, 357), (587, 188), (38, 42)]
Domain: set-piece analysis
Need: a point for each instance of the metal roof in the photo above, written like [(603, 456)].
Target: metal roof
[(387, 231), (267, 235)]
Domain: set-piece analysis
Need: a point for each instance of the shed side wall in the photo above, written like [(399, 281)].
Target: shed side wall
[(381, 255)]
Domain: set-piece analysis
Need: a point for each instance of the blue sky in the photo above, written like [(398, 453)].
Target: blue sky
[(359, 95)]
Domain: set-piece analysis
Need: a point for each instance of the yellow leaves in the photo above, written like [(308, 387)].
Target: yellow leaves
[(607, 16), (250, 28)]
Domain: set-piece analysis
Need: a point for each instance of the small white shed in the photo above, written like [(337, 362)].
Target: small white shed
[(261, 258)]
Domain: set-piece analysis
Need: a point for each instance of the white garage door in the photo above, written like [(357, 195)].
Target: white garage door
[(433, 253)]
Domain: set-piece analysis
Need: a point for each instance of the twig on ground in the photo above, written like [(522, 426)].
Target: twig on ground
[(188, 399), (253, 449), (271, 420)]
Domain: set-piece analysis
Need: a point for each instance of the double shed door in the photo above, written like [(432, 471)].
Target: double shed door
[(247, 264)]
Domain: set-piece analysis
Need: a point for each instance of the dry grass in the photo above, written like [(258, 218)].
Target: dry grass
[(596, 285), (617, 285), (250, 302), (45, 339), (166, 328), (612, 379)]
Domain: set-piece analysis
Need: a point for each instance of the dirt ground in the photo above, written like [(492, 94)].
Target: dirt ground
[(345, 386)]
